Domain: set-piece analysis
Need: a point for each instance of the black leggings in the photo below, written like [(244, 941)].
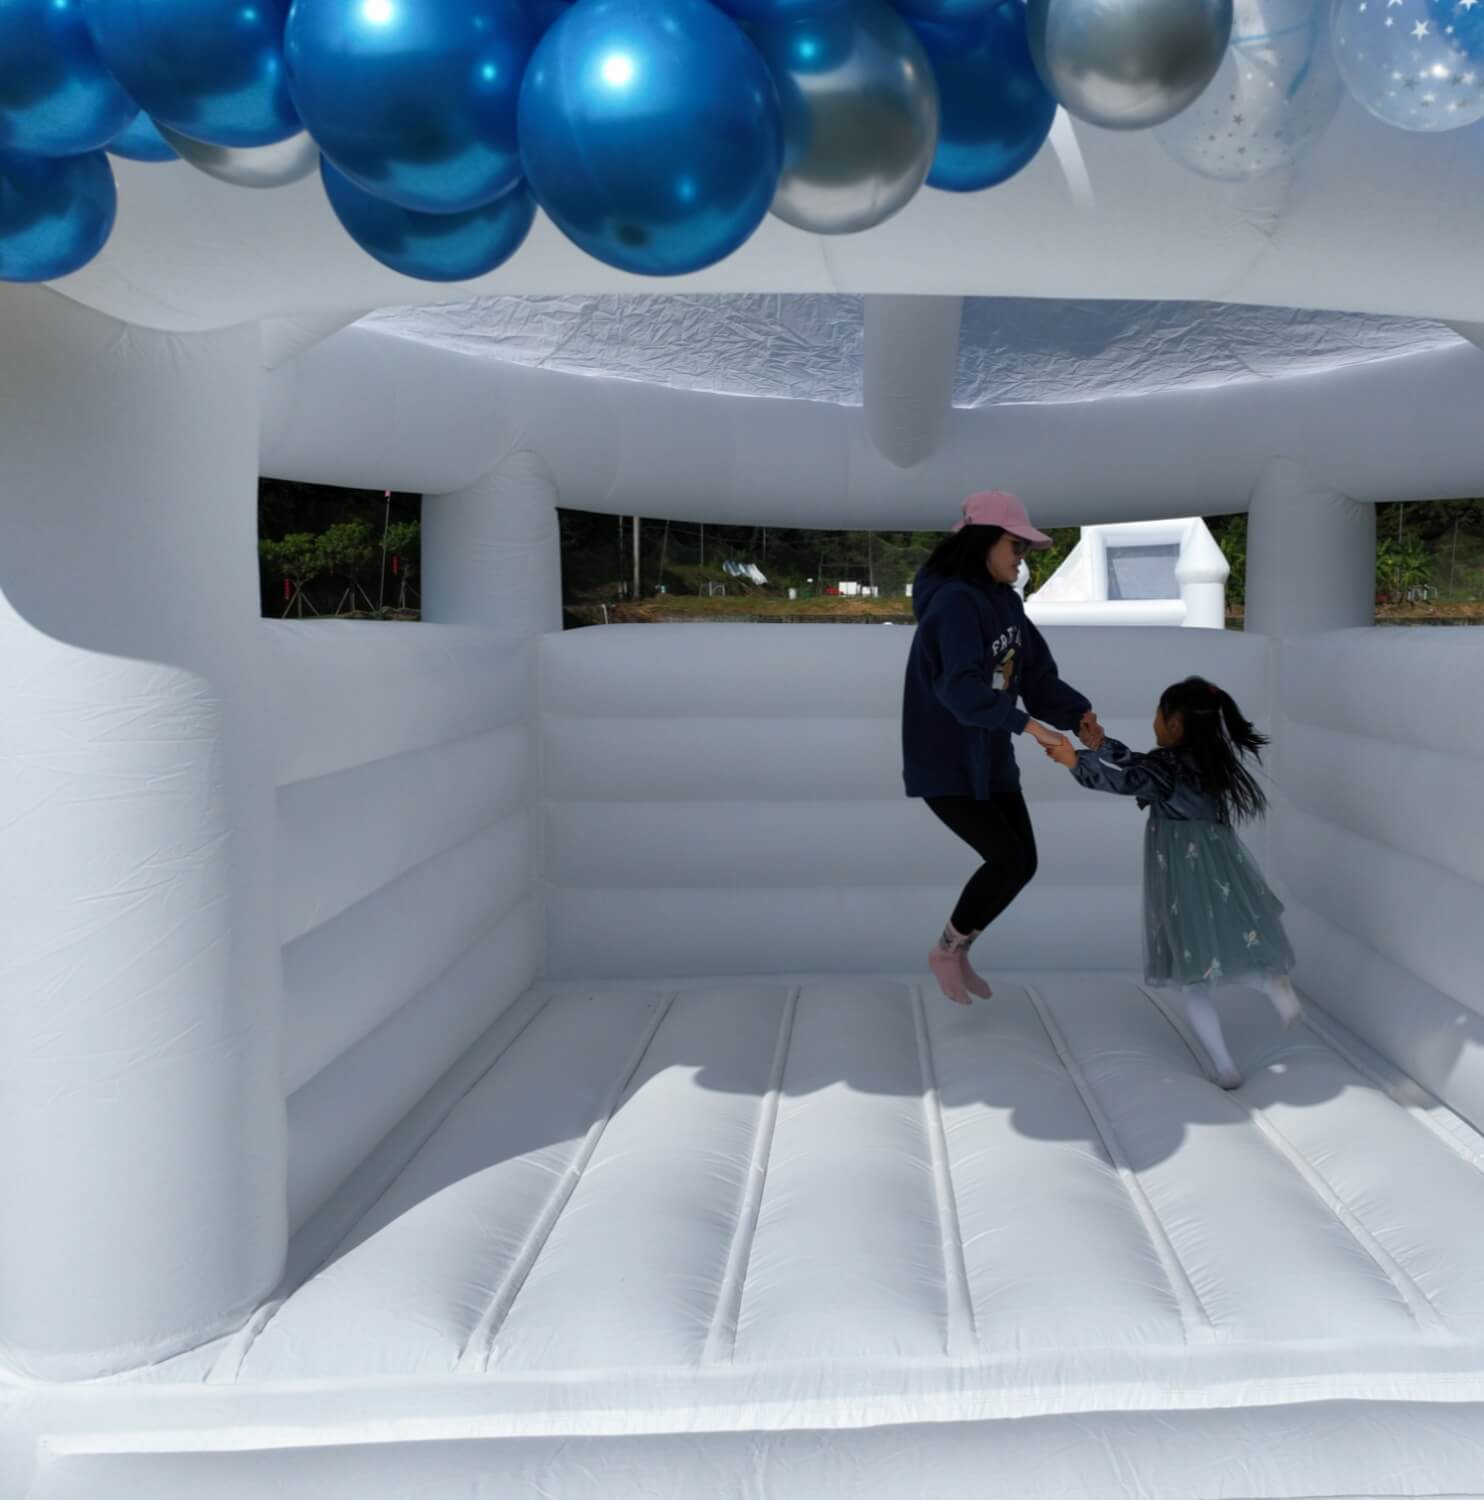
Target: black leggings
[(999, 831)]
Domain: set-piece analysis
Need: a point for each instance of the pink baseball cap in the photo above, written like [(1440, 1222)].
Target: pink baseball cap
[(1001, 508)]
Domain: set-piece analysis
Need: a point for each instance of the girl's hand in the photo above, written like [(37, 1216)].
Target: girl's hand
[(1090, 732), (1062, 753)]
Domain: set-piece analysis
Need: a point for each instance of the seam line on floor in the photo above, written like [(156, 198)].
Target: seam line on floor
[(227, 1366), (1424, 1314), (1395, 1089), (962, 1335), (1422, 1311), (721, 1338), (479, 1345), (1193, 1315)]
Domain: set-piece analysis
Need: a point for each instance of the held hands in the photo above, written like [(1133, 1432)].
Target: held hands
[(1059, 748)]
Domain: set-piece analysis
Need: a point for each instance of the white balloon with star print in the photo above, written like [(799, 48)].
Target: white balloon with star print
[(1277, 90), (1409, 61)]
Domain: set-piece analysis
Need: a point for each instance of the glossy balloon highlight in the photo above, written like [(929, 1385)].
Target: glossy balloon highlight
[(650, 133), (1128, 64), (413, 100), (860, 116), (210, 69), (56, 97), (56, 213), (994, 111), (432, 247)]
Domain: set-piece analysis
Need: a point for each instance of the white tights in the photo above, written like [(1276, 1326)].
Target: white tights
[(1207, 1024)]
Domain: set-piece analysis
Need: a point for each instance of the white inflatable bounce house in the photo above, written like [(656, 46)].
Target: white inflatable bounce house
[(467, 1059)]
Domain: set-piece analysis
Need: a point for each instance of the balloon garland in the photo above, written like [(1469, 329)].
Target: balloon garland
[(658, 134)]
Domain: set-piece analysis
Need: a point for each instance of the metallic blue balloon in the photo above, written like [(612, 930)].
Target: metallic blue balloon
[(994, 111), (754, 12), (211, 69), (650, 133), (56, 97), (946, 10), (413, 100), (140, 140), (544, 14), (56, 213), (432, 247)]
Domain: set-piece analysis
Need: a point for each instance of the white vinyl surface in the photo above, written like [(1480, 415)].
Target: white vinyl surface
[(742, 1206)]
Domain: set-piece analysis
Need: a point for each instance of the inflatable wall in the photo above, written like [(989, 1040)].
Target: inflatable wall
[(337, 950)]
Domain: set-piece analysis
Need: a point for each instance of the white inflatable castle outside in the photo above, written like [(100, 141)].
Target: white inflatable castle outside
[(1138, 573), (465, 1058)]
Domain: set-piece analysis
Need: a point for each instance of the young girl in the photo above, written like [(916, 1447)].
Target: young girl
[(1209, 916)]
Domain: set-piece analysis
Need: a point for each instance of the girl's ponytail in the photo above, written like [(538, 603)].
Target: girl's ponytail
[(1216, 737), (1241, 732)]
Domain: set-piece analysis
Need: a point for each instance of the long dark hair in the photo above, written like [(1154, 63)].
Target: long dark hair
[(961, 554), (1217, 737)]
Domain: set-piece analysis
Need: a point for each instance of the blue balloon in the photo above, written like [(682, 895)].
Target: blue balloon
[(760, 12), (56, 97), (56, 213), (946, 10), (994, 111), (413, 100), (432, 247), (544, 14), (650, 133), (211, 69), (140, 140)]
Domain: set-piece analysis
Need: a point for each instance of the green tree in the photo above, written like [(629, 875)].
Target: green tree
[(1231, 536), (1401, 566), (1044, 564), (404, 542), (298, 560), (345, 549)]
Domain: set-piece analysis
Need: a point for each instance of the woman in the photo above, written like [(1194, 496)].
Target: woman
[(974, 654)]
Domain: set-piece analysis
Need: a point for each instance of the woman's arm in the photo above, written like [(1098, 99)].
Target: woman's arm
[(1047, 696), (963, 685)]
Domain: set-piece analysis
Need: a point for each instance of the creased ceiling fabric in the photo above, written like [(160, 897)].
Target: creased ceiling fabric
[(810, 347)]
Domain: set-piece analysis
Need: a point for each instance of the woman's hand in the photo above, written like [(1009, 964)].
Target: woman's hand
[(1044, 736), (1090, 732), (1062, 753)]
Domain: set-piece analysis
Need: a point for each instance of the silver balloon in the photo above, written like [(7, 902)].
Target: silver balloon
[(1128, 64), (1276, 92), (248, 166), (860, 115), (1415, 66)]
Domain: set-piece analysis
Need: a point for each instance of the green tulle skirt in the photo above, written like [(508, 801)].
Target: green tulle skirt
[(1209, 917)]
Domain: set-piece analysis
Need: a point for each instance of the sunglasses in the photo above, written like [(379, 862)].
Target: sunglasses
[(1019, 546)]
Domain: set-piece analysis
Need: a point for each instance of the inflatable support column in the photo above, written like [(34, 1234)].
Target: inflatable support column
[(142, 1157)]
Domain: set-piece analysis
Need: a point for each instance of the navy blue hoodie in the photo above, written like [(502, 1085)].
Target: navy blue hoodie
[(974, 654)]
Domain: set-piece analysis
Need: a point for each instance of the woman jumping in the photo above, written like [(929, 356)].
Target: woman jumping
[(975, 653)]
